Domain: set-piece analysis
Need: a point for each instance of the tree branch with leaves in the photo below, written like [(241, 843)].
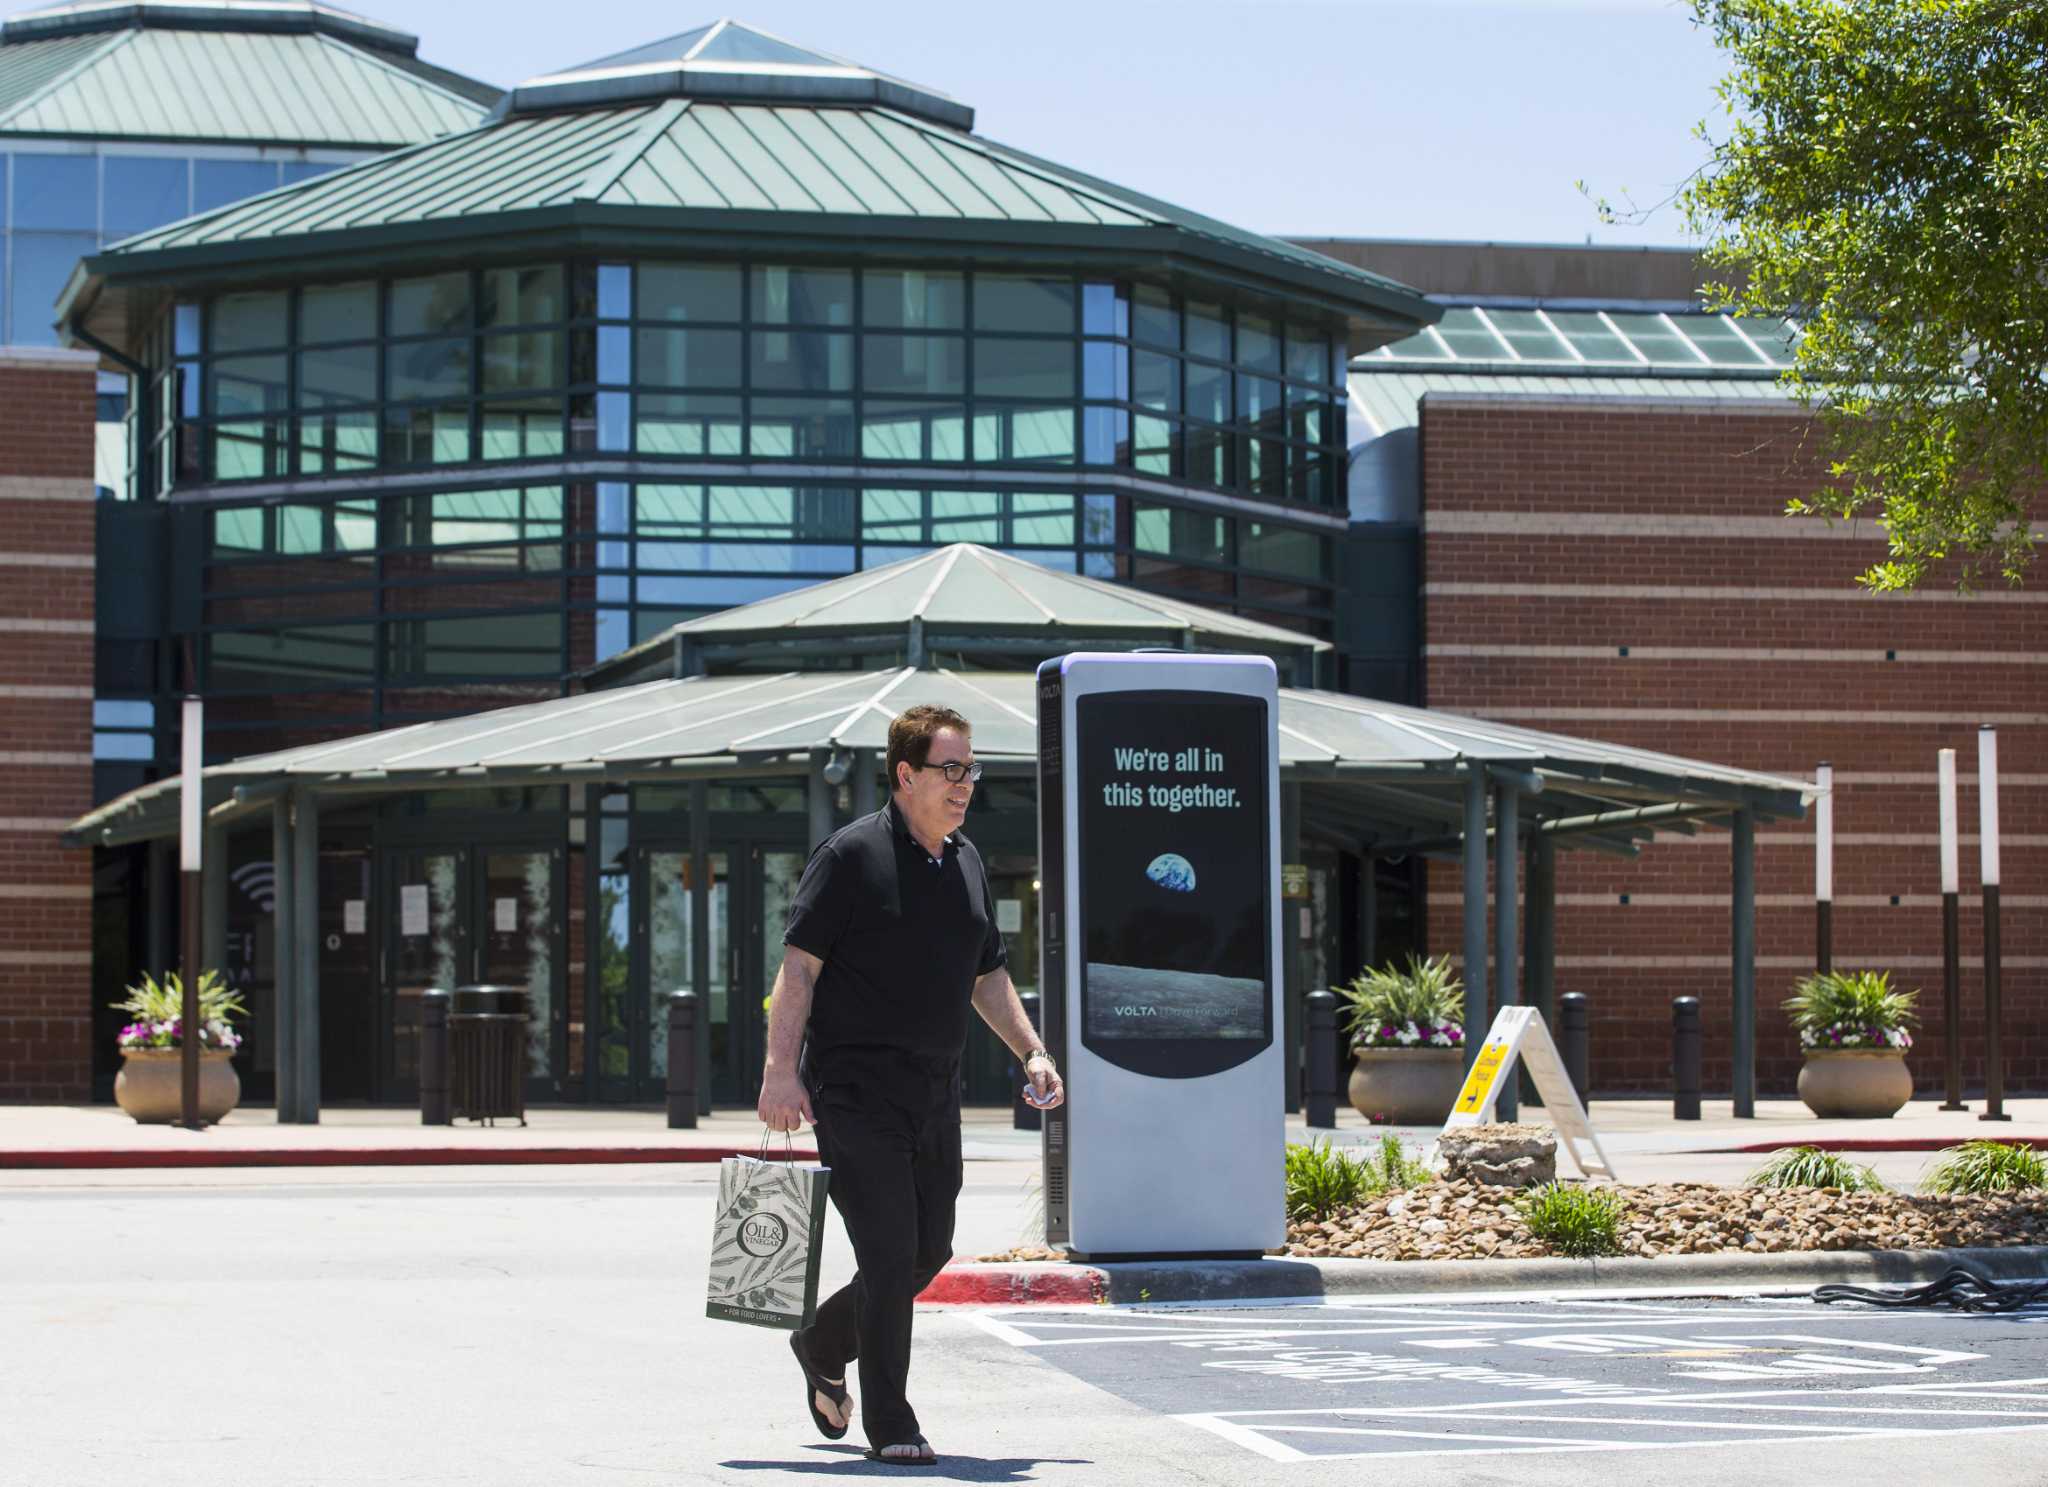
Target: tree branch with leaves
[(1881, 179)]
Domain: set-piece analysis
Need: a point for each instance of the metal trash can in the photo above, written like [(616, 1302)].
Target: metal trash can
[(487, 1053)]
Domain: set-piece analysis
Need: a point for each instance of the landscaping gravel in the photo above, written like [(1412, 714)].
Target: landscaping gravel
[(1460, 1220)]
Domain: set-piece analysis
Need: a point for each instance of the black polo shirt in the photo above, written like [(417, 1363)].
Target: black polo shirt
[(903, 936)]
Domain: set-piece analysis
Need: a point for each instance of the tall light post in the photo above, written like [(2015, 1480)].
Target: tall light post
[(1987, 845), (1951, 938), (1824, 869), (191, 850)]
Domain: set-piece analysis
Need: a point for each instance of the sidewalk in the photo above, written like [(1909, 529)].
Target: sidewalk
[(1639, 1136)]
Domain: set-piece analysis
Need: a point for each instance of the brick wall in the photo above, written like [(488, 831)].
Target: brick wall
[(46, 669), (1557, 533)]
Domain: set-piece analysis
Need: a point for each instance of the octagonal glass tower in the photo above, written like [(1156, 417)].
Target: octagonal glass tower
[(685, 327)]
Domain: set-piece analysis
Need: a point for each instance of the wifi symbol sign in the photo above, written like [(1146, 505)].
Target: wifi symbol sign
[(259, 881)]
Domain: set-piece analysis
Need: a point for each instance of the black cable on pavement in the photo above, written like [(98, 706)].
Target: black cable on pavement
[(1960, 1287)]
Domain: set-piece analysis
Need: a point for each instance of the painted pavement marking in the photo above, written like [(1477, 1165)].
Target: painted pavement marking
[(1441, 1379)]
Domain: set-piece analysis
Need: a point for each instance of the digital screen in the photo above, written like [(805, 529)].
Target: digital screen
[(1175, 934)]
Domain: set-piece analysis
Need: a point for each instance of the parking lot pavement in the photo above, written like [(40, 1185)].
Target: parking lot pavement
[(1375, 1384)]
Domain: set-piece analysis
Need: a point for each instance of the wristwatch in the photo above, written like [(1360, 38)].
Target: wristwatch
[(1038, 1053)]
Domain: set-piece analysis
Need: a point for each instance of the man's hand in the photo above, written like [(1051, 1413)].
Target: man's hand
[(1047, 1091), (785, 1104)]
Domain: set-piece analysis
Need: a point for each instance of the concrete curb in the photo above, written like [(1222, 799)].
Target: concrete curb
[(1052, 1283), (373, 1156)]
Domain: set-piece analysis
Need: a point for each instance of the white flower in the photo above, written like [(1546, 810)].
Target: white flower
[(1440, 1038)]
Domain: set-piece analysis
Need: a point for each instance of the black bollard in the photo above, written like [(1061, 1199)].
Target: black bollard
[(1685, 1058), (682, 1060), (435, 1106), (1575, 1040), (1024, 1116), (1319, 1094)]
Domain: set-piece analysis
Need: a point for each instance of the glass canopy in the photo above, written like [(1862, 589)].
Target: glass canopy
[(1653, 342)]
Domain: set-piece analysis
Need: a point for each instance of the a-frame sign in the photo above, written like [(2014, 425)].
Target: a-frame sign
[(1518, 1033)]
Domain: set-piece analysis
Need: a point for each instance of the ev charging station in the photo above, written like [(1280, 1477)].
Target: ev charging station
[(1159, 851)]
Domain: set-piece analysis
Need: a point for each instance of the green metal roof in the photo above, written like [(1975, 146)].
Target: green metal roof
[(268, 75), (1375, 774), (28, 67), (773, 151), (963, 593), (726, 60)]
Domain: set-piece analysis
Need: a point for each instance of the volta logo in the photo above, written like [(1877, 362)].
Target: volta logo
[(763, 1234)]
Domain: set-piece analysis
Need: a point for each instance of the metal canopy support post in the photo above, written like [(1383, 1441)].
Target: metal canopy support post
[(819, 794), (1477, 1014), (1507, 969), (1369, 909), (1743, 944), (306, 949), (284, 916), (1541, 897), (1290, 948), (213, 900), (700, 929), (865, 779), (159, 868)]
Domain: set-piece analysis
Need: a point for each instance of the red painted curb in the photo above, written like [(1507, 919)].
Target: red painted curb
[(1046, 1283), (1871, 1143), (394, 1156)]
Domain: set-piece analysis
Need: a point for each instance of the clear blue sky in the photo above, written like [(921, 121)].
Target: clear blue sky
[(1467, 119), (1365, 118)]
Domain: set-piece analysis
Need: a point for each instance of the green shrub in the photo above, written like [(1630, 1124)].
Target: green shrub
[(1421, 1006), (1985, 1167), (1810, 1167), (1851, 1009), (1322, 1179), (1576, 1221), (1392, 1167)]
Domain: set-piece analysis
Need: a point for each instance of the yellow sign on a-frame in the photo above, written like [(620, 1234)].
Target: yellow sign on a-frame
[(1518, 1033)]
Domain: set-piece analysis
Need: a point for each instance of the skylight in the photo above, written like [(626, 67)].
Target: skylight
[(1595, 342)]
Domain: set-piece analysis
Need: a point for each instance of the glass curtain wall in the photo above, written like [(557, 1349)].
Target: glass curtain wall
[(322, 619), (694, 361), (63, 204)]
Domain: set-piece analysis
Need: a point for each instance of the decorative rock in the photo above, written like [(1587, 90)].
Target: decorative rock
[(1511, 1156)]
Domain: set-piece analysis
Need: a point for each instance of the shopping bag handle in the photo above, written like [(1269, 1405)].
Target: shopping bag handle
[(788, 1145)]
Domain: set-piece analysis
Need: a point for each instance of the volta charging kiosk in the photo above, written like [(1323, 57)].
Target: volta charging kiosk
[(1159, 852)]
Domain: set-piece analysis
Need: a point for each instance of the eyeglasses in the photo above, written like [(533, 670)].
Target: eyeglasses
[(955, 771)]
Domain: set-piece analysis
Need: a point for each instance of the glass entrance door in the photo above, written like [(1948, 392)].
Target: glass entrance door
[(518, 944), (427, 947), (665, 936), (470, 915), (743, 923)]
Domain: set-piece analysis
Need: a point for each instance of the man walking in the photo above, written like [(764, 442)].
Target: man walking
[(891, 937)]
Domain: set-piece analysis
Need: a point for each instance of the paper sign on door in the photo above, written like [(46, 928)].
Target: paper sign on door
[(412, 908), (506, 915), (1009, 915), (355, 916)]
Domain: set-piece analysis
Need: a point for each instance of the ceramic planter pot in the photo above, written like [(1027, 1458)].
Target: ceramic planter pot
[(1855, 1083), (1407, 1086), (150, 1088)]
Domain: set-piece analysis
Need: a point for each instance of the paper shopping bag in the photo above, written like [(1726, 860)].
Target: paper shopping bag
[(765, 1242)]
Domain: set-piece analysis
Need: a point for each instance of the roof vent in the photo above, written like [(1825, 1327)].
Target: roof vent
[(729, 62)]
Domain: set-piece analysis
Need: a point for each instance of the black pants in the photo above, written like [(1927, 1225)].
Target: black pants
[(895, 1159)]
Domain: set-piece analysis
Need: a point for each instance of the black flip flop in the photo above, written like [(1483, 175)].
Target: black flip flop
[(816, 1384), (930, 1457)]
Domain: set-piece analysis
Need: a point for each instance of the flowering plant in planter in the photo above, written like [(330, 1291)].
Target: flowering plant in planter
[(158, 1010), (1419, 1006), (1844, 1010)]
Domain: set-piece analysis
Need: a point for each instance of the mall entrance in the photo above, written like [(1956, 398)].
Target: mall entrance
[(477, 913)]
